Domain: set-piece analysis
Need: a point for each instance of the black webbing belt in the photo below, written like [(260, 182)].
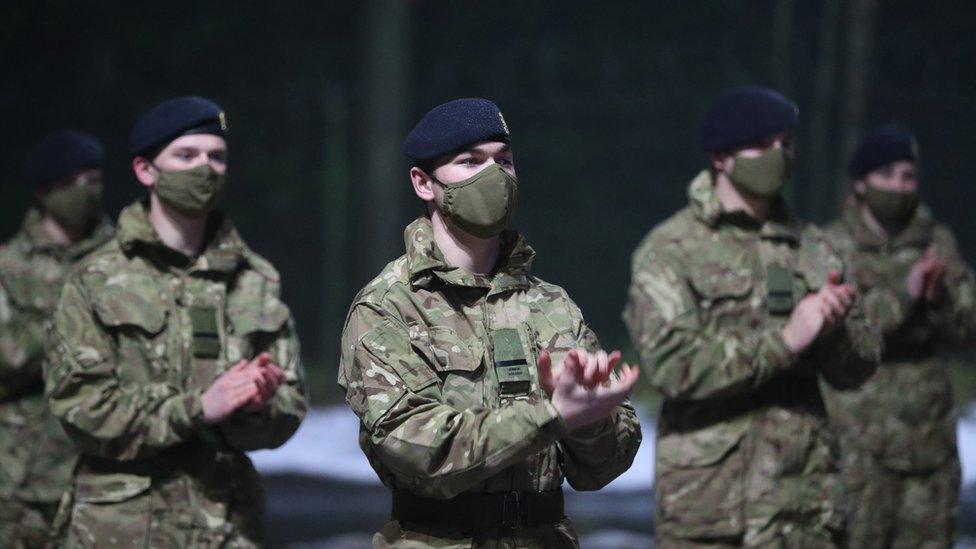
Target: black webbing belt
[(511, 510)]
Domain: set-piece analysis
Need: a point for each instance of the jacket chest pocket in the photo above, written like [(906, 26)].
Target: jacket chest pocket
[(725, 298), (136, 315), (457, 361), (253, 323)]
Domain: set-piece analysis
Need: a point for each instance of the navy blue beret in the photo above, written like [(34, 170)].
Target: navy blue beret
[(173, 118), (882, 146), (744, 115), (451, 126), (60, 154)]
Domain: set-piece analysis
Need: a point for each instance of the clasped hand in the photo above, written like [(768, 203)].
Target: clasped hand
[(586, 387), (247, 385)]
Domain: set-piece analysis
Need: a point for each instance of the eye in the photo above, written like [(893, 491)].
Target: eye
[(504, 161), (218, 157)]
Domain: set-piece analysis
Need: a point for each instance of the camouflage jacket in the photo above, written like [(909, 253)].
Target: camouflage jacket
[(741, 442), (35, 454), (419, 353), (903, 414), (140, 332)]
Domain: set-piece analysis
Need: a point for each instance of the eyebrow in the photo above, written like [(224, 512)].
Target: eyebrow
[(480, 150)]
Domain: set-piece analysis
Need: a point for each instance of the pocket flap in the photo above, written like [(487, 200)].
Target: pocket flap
[(249, 314), (719, 284), (30, 292), (445, 350), (699, 448), (390, 344), (110, 488), (130, 299)]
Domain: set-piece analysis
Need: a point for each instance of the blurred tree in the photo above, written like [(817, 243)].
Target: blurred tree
[(821, 153), (386, 77), (336, 219), (859, 35)]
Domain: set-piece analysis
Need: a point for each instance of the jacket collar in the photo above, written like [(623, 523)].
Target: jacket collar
[(426, 263)]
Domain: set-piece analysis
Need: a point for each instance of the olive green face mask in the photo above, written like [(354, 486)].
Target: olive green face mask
[(74, 207), (762, 176), (483, 204), (192, 192), (891, 208)]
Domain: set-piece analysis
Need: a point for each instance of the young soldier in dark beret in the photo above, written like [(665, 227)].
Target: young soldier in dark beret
[(897, 433), (737, 310), (64, 173), (479, 387), (172, 354)]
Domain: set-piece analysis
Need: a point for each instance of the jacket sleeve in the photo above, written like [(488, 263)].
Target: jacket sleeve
[(433, 448), (278, 421), (21, 347), (105, 416), (596, 454), (955, 310), (682, 358)]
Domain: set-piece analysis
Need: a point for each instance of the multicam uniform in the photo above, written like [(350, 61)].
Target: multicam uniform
[(440, 366), (36, 457), (744, 455), (897, 432), (140, 333)]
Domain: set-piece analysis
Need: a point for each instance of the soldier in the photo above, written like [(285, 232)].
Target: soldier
[(64, 172), (172, 354), (736, 309), (897, 433), (440, 355)]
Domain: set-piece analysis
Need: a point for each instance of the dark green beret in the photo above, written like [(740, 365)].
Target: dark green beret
[(173, 118), (880, 147), (744, 115), (61, 153)]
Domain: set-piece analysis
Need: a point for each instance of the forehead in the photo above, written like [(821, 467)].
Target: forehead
[(201, 141), (487, 148)]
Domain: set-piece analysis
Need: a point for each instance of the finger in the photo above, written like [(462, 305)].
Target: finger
[(572, 369), (269, 386), (241, 364), (834, 302), (834, 277), (574, 364), (544, 365), (278, 373), (260, 361), (257, 376), (590, 369), (846, 294), (613, 361), (603, 370), (627, 376)]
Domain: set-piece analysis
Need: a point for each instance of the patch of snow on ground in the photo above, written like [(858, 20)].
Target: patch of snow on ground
[(327, 445)]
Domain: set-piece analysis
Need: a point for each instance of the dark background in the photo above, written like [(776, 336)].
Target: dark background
[(603, 100)]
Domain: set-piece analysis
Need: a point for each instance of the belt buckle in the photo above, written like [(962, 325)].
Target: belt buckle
[(512, 510)]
